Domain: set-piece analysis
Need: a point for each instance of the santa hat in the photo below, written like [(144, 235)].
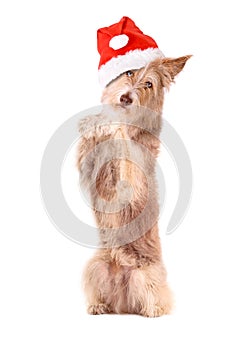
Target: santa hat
[(123, 47)]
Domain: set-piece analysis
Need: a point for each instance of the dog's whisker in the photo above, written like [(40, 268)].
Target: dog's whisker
[(141, 76)]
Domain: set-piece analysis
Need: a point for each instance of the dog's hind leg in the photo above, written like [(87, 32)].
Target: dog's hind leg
[(96, 286), (148, 292)]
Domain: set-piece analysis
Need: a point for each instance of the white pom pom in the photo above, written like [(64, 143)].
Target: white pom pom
[(118, 41)]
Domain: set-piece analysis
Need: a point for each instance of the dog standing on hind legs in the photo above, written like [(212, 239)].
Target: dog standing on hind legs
[(116, 159)]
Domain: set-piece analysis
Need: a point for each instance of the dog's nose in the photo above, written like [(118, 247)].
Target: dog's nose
[(126, 100)]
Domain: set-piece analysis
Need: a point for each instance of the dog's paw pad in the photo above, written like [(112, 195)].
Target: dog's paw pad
[(98, 309)]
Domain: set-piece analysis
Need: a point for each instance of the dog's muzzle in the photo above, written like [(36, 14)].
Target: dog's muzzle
[(126, 100)]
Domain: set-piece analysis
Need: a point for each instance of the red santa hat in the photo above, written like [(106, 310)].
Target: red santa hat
[(123, 47)]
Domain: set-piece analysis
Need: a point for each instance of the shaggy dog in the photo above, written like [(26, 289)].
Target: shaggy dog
[(116, 159)]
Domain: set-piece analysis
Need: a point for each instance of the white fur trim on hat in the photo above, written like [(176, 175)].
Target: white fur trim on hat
[(135, 59)]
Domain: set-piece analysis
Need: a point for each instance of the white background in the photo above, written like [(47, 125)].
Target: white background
[(49, 73)]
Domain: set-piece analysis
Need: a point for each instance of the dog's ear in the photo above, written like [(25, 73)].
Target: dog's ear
[(170, 67)]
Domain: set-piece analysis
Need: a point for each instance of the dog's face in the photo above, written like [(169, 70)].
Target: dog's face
[(143, 87)]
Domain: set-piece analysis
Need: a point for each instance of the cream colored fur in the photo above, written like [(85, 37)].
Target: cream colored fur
[(116, 159)]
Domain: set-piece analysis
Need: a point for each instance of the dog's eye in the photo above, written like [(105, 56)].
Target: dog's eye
[(148, 84), (129, 73)]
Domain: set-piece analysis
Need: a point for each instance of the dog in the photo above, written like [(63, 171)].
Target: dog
[(116, 160)]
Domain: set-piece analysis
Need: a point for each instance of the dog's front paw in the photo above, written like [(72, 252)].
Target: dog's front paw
[(88, 124), (98, 309), (96, 126)]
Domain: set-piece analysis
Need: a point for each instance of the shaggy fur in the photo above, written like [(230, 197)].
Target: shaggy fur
[(116, 159)]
